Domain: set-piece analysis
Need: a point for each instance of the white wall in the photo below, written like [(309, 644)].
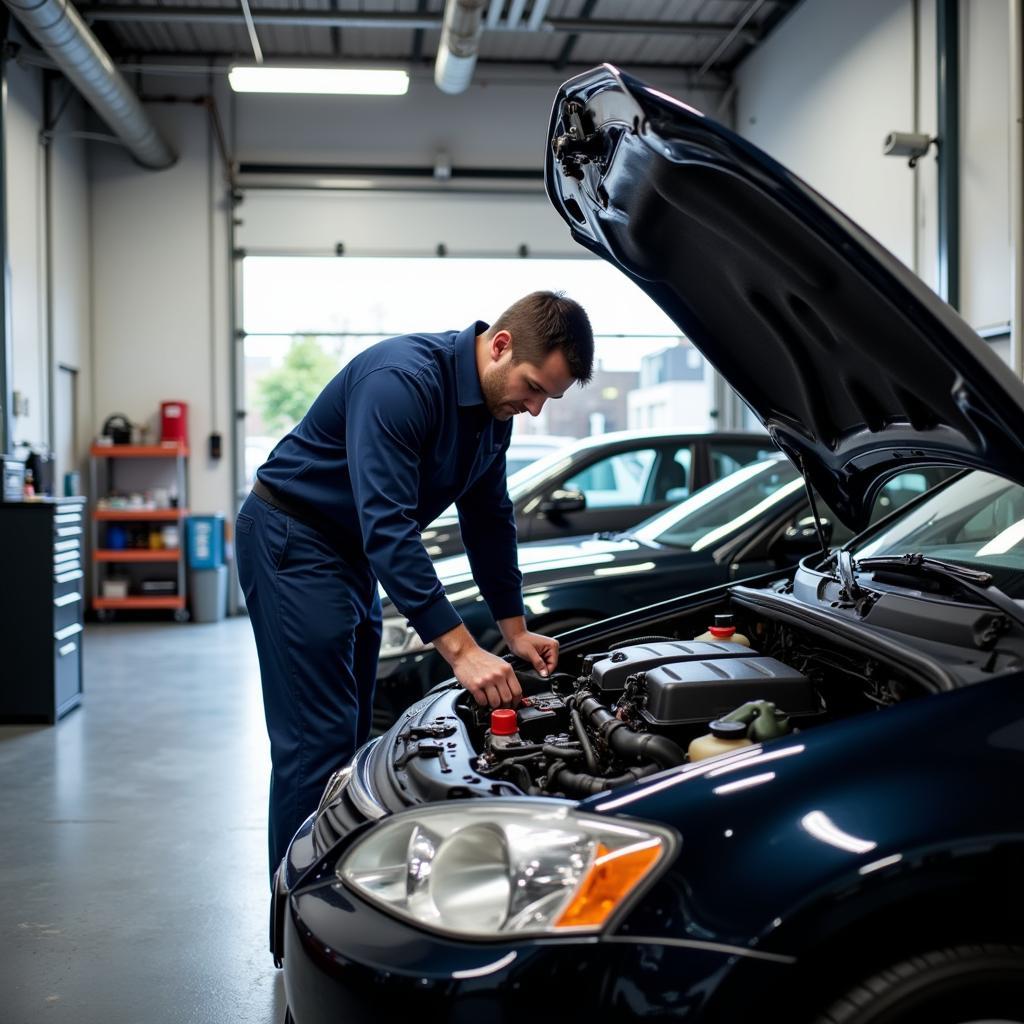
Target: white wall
[(160, 293), (822, 93), (69, 297)]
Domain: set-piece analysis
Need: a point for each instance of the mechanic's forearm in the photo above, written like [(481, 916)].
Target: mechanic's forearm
[(455, 644), (512, 627)]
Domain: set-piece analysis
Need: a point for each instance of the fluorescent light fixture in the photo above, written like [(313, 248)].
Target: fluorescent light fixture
[(332, 81)]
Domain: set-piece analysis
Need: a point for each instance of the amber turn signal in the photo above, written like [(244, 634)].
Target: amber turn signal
[(612, 877)]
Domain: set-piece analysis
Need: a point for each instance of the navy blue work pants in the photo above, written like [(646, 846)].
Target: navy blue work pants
[(316, 617)]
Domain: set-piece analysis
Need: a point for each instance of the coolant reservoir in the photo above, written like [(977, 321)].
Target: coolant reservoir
[(724, 736), (724, 629)]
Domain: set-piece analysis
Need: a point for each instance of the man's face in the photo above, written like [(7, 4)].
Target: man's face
[(510, 388)]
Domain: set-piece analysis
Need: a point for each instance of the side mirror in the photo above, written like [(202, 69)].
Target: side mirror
[(562, 501), (801, 538)]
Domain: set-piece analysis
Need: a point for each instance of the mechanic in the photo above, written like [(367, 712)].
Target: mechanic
[(408, 427)]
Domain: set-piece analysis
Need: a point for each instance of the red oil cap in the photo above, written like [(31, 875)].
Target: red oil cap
[(722, 632), (504, 722)]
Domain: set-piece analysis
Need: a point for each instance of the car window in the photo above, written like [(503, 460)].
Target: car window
[(514, 465), (977, 520), (618, 480), (719, 509), (670, 480), (895, 493), (728, 456)]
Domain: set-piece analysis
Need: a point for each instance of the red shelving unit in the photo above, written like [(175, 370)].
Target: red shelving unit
[(108, 463)]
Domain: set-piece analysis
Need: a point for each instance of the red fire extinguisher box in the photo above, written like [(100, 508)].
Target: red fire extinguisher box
[(174, 422)]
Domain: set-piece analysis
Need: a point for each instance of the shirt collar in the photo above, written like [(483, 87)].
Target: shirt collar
[(467, 376)]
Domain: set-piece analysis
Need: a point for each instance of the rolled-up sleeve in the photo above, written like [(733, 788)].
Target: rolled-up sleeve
[(387, 419), (488, 524)]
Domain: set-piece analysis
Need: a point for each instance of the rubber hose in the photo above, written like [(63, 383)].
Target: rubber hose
[(551, 750), (582, 784), (623, 740), (581, 733)]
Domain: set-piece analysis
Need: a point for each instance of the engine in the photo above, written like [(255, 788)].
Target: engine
[(648, 704)]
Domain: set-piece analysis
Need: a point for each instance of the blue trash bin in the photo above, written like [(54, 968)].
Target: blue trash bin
[(205, 541)]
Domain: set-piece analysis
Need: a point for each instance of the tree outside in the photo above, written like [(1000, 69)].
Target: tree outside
[(285, 393)]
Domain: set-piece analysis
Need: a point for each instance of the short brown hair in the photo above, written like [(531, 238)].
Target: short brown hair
[(544, 321)]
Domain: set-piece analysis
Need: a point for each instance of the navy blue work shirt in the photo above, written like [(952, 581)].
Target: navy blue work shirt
[(396, 437)]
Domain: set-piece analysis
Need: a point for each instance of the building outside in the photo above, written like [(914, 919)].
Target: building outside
[(676, 392)]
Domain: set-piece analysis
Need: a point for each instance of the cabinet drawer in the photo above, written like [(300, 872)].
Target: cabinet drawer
[(68, 656), (67, 580), (67, 608)]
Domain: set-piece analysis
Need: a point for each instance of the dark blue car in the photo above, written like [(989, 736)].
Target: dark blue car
[(809, 812)]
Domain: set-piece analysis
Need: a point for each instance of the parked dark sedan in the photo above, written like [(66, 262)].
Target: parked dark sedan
[(609, 482), (820, 826), (749, 522)]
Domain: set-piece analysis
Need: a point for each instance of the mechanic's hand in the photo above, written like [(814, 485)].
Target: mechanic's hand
[(540, 651), (488, 678)]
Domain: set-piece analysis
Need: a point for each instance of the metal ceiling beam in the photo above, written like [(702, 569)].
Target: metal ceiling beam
[(734, 34), (188, 62), (343, 19)]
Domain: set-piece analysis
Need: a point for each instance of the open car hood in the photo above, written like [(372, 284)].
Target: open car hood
[(857, 369)]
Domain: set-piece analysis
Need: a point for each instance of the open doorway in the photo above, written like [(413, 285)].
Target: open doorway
[(304, 318)]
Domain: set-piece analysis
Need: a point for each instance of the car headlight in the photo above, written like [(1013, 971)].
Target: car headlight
[(397, 637), (491, 870)]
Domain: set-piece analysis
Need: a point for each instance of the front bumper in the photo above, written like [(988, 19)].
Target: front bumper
[(347, 960)]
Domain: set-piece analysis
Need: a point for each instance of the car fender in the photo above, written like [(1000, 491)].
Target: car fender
[(795, 824)]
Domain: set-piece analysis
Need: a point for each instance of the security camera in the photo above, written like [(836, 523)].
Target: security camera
[(909, 144)]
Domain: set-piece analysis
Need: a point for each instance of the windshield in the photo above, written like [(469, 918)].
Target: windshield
[(978, 521), (717, 510)]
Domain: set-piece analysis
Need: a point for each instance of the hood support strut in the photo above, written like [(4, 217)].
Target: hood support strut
[(814, 508)]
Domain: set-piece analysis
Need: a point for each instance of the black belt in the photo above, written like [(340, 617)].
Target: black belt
[(303, 513)]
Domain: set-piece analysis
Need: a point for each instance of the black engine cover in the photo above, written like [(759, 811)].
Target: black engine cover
[(610, 673), (686, 692)]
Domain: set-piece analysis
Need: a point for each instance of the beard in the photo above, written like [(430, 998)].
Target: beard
[(493, 385)]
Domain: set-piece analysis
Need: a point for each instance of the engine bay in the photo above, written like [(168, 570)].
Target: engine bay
[(646, 703)]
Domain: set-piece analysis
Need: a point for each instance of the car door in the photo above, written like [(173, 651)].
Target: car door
[(613, 487)]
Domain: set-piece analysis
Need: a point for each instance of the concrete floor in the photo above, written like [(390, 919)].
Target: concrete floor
[(133, 877)]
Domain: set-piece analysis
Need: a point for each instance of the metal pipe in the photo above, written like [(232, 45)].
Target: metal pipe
[(1016, 196), (458, 46), (947, 18), (61, 32), (250, 26)]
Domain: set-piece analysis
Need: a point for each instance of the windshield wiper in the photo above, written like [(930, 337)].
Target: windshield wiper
[(914, 560), (974, 581)]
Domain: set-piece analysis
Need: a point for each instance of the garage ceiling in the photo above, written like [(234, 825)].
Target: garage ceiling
[(702, 36)]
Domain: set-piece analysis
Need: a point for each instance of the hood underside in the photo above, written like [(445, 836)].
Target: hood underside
[(857, 369)]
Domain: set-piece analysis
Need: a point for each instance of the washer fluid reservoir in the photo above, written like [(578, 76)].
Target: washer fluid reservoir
[(724, 629)]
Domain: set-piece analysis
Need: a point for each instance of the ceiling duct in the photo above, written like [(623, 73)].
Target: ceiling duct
[(460, 41), (59, 29)]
